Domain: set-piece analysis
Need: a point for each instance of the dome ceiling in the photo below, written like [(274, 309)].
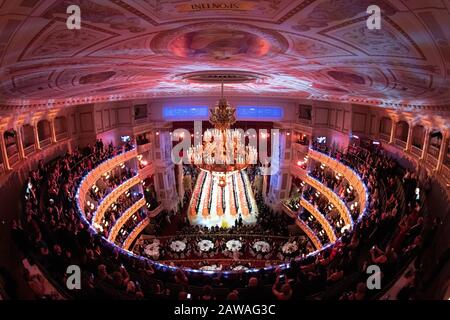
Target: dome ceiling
[(310, 49)]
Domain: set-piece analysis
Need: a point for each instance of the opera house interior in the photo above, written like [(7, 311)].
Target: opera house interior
[(224, 150)]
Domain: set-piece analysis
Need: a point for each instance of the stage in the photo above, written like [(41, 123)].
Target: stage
[(220, 199)]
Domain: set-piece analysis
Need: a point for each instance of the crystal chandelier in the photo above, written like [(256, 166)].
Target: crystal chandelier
[(223, 149)]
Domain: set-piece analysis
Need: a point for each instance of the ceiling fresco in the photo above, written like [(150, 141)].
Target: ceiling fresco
[(307, 49)]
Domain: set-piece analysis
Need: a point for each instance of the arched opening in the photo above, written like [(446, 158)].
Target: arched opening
[(12, 149), (401, 131), (418, 136), (385, 128), (61, 130), (44, 133), (435, 143), (28, 139)]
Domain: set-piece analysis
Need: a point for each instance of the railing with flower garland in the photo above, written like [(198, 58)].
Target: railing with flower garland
[(97, 172), (134, 234), (333, 198), (320, 218), (155, 212), (351, 176), (304, 227), (124, 217), (112, 197), (327, 192)]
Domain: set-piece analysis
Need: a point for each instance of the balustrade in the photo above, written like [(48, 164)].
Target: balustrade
[(350, 175), (133, 234), (326, 226), (124, 218)]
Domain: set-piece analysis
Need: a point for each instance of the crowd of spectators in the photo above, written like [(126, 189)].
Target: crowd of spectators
[(52, 231)]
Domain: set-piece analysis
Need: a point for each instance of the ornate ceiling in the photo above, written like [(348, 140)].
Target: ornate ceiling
[(314, 49)]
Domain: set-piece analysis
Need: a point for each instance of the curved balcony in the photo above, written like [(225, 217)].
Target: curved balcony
[(97, 172), (328, 193), (332, 197), (134, 234), (155, 212), (112, 197), (351, 176), (304, 227), (326, 226), (124, 218)]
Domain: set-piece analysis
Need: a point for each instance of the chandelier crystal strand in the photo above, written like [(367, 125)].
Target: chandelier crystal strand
[(223, 149)]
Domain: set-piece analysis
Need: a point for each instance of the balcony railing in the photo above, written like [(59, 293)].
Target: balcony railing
[(400, 143), (333, 198), (155, 212), (29, 150), (13, 159), (351, 176), (96, 173), (11, 150), (147, 171), (384, 137), (112, 197), (289, 211), (141, 148), (62, 136), (46, 142), (416, 151), (433, 150), (136, 231), (431, 161), (124, 218), (309, 233), (320, 218)]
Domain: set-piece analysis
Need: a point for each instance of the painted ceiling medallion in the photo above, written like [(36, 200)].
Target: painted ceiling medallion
[(219, 41), (305, 49)]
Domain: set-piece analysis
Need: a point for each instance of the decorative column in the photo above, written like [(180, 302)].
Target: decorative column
[(426, 142), (280, 181), (165, 180), (393, 129), (410, 137), (19, 143), (180, 181), (5, 159), (52, 131), (443, 150), (37, 144)]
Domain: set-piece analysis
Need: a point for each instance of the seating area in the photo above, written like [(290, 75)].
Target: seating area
[(51, 219), (214, 150)]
